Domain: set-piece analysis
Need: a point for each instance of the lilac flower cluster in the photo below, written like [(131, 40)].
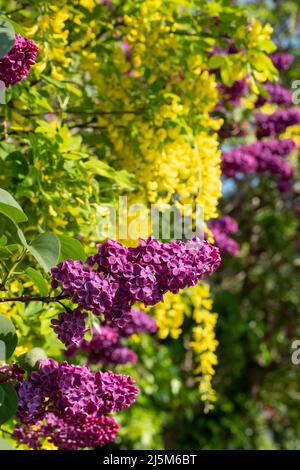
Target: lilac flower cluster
[(16, 64), (281, 60), (70, 327), (11, 373), (124, 276), (276, 123), (68, 436), (277, 95), (85, 286), (138, 322), (221, 229), (235, 92), (106, 347), (67, 404), (260, 157)]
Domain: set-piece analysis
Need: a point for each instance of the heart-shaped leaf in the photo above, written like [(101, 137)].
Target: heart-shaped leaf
[(71, 248), (10, 208), (45, 248), (34, 355)]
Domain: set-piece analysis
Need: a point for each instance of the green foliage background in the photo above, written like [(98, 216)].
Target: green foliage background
[(63, 175)]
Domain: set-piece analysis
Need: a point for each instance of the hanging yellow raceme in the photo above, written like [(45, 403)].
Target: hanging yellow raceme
[(194, 303)]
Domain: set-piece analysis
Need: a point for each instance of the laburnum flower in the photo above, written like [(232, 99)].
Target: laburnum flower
[(15, 66), (221, 229), (117, 277), (67, 404)]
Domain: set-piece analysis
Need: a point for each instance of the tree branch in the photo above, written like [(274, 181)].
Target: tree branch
[(29, 298)]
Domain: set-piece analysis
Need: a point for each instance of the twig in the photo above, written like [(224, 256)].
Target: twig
[(29, 298)]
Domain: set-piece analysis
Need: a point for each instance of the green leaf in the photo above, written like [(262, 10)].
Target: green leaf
[(45, 248), (100, 168), (18, 29), (4, 445), (262, 90), (7, 37), (71, 248), (3, 240), (14, 247), (5, 253), (38, 280), (216, 61), (31, 358), (10, 208), (124, 179), (8, 335), (9, 405), (22, 237)]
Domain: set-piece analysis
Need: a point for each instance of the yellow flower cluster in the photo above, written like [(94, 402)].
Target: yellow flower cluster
[(169, 316), (170, 161), (292, 132), (204, 343), (196, 304), (154, 110)]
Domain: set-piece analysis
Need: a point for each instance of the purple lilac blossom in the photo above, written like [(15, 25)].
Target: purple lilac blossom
[(70, 327), (276, 123), (75, 400), (281, 60), (87, 433), (221, 229), (125, 276), (15, 66), (11, 373), (260, 157), (139, 322), (277, 95), (106, 347), (235, 92)]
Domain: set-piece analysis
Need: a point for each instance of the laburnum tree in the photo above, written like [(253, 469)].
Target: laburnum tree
[(106, 99)]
